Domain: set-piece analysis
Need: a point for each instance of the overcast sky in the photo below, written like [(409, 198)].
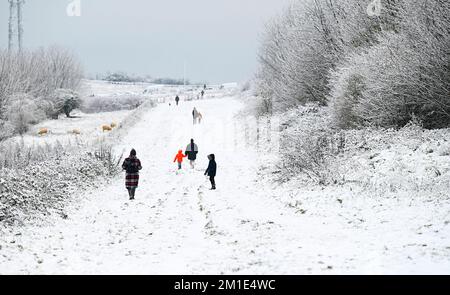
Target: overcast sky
[(218, 39)]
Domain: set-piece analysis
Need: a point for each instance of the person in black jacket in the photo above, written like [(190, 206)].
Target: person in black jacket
[(191, 152), (211, 170)]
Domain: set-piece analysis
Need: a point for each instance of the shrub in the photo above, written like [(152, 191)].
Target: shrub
[(113, 103), (23, 111), (344, 107), (44, 187), (38, 180), (309, 145), (6, 130), (64, 101), (106, 155)]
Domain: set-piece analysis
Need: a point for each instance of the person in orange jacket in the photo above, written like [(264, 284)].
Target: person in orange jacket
[(179, 158)]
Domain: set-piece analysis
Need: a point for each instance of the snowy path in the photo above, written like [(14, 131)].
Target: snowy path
[(177, 226)]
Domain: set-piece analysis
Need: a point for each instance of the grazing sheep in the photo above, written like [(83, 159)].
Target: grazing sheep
[(106, 128), (113, 125), (43, 131)]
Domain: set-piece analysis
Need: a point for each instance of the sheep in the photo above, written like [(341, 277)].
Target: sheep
[(113, 125), (43, 131), (76, 131), (106, 128)]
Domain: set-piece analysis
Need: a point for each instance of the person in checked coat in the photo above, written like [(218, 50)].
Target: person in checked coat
[(132, 166)]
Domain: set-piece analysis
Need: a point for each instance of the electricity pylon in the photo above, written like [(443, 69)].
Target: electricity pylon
[(15, 25)]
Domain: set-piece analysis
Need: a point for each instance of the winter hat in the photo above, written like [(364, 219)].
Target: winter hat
[(133, 152)]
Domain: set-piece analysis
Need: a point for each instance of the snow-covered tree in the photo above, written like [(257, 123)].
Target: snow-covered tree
[(38, 72), (405, 75), (308, 40), (374, 69), (64, 101)]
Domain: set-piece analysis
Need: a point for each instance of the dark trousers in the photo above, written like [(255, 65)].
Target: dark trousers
[(131, 192), (213, 181)]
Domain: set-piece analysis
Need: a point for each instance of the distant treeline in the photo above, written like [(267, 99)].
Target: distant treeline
[(128, 78)]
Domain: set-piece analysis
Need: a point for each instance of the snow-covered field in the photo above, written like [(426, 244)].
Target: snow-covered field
[(89, 126), (249, 225)]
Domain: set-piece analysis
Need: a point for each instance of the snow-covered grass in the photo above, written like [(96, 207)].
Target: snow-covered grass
[(386, 191)]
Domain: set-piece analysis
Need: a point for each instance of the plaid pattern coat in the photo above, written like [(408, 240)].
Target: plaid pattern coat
[(132, 178)]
